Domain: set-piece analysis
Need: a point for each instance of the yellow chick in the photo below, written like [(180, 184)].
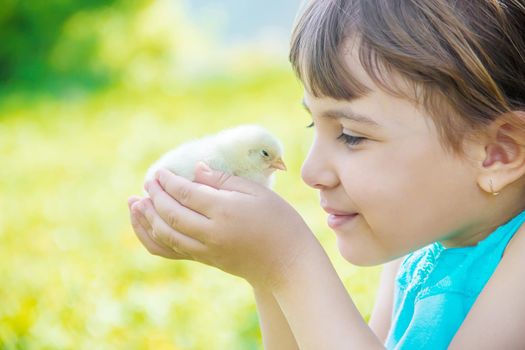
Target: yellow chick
[(249, 151)]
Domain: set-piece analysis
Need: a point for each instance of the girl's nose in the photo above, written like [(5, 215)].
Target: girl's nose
[(317, 171)]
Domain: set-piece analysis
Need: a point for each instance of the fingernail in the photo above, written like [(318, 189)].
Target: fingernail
[(131, 200), (136, 207)]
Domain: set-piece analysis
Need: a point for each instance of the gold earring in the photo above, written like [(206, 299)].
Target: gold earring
[(491, 189)]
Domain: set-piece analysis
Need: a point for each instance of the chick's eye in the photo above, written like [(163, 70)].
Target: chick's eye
[(265, 153), (311, 125), (350, 140)]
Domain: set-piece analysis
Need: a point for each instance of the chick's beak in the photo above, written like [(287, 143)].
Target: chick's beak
[(278, 164)]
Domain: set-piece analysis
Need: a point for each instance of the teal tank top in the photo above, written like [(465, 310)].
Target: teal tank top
[(437, 286)]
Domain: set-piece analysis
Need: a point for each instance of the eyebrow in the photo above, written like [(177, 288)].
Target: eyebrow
[(346, 115)]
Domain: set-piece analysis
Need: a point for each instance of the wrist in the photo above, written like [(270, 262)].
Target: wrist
[(281, 273), (311, 266), (318, 307)]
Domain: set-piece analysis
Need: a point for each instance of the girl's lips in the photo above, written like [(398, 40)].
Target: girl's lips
[(335, 221), (335, 212)]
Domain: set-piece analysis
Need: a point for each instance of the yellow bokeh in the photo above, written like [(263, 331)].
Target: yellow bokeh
[(74, 276)]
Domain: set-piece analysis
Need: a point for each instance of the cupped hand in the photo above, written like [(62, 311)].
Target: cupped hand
[(224, 221), (143, 231)]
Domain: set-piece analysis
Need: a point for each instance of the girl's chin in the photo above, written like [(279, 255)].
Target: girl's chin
[(357, 256)]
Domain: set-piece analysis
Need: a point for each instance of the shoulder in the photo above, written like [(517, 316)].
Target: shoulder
[(416, 266), (499, 309)]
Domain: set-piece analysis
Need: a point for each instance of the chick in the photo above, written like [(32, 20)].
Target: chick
[(249, 151)]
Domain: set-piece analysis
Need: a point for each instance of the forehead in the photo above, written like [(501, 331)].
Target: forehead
[(350, 54), (389, 111)]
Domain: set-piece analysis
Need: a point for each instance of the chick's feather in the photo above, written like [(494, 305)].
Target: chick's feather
[(249, 151)]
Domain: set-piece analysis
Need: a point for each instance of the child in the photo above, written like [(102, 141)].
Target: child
[(419, 113)]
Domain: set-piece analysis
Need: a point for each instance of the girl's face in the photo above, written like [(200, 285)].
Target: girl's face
[(392, 171)]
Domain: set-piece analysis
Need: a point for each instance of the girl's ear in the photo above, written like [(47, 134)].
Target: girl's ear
[(504, 161)]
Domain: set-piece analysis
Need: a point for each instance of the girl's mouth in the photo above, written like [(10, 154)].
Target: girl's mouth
[(334, 221)]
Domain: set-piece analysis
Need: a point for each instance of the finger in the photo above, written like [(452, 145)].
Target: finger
[(195, 196), (224, 181), (140, 218), (177, 216), (148, 234), (140, 226), (132, 200), (162, 233)]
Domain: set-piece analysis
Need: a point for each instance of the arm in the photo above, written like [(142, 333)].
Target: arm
[(227, 226), (276, 332), (382, 312), (318, 308), (496, 319)]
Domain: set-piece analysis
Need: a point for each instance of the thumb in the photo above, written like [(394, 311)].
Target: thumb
[(222, 180)]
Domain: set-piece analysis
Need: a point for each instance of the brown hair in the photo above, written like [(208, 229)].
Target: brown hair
[(465, 60)]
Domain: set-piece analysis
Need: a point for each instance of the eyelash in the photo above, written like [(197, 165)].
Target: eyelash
[(350, 140), (345, 138)]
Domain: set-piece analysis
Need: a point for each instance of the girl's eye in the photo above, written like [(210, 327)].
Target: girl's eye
[(345, 138), (350, 140)]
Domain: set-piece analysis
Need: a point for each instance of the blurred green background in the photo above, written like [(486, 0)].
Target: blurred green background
[(91, 93)]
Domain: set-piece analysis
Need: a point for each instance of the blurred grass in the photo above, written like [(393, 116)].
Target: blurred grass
[(73, 274)]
